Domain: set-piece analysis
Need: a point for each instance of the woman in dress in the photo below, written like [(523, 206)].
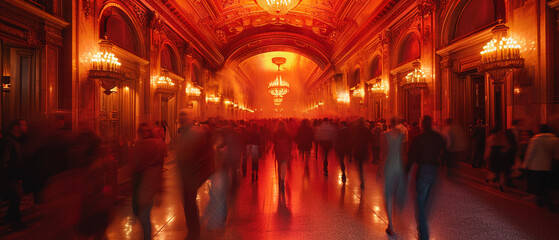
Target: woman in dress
[(282, 149), (393, 168)]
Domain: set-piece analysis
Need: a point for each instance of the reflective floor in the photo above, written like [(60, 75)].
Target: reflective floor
[(318, 207)]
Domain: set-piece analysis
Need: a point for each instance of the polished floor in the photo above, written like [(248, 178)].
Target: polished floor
[(318, 207)]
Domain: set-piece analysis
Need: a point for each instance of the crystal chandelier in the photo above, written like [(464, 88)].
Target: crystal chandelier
[(105, 60), (278, 87), (501, 55), (278, 7), (415, 80), (164, 81), (105, 67), (192, 90), (358, 93), (380, 88)]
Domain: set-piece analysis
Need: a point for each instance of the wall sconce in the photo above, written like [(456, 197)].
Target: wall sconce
[(106, 67), (415, 80), (192, 90)]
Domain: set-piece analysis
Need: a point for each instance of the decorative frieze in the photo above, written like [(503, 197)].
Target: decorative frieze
[(87, 8)]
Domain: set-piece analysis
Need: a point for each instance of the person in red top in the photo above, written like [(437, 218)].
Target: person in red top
[(147, 178), (282, 148)]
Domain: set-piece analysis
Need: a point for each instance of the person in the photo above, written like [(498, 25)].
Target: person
[(375, 141), (394, 177), (282, 149), (426, 151), (456, 145), (542, 150), (195, 164), (254, 143), (325, 135), (304, 139), (341, 146), (12, 160), (414, 131), (496, 151), (359, 142), (146, 174), (400, 125), (478, 138)]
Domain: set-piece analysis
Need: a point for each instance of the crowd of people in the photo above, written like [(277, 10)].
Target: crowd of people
[(76, 171)]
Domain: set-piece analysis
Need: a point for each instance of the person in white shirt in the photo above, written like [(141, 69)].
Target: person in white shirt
[(543, 149)]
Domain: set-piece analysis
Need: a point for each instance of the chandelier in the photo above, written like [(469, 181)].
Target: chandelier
[(213, 98), (380, 88), (501, 55), (105, 67), (105, 60), (343, 98), (358, 93), (192, 90), (278, 87), (415, 80), (164, 81), (278, 7)]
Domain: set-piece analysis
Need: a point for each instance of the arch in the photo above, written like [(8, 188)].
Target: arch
[(375, 69), (409, 48), (477, 14), (462, 18), (273, 41), (169, 58), (119, 25)]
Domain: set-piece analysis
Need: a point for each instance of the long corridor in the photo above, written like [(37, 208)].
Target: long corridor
[(318, 207)]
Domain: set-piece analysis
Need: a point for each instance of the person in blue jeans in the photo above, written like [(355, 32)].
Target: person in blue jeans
[(426, 150)]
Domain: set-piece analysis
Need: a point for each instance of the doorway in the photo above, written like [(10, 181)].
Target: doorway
[(18, 85)]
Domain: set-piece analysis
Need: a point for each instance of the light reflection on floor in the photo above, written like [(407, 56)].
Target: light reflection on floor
[(318, 207)]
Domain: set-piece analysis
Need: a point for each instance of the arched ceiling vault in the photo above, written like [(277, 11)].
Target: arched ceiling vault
[(239, 29)]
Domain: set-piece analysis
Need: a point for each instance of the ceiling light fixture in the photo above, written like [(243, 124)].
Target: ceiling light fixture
[(279, 7)]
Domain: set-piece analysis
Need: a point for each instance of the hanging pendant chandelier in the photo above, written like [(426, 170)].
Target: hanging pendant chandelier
[(416, 79), (380, 88), (501, 55), (277, 7), (278, 87)]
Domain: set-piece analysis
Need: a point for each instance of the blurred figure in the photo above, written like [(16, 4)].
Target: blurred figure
[(315, 125), (254, 143), (400, 125), (394, 177), (359, 143), (341, 146), (304, 139), (146, 175), (376, 133), (542, 151), (413, 131), (425, 150), (195, 164), (231, 148), (478, 138), (498, 150), (282, 149), (12, 160), (325, 135), (456, 145)]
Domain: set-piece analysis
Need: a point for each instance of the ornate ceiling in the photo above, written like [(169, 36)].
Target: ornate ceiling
[(236, 30), (315, 27)]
